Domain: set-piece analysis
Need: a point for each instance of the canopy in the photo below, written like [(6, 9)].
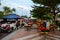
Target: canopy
[(12, 16)]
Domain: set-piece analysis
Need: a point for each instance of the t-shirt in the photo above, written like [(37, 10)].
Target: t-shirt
[(44, 24)]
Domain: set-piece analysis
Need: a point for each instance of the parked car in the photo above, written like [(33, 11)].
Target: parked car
[(13, 25), (7, 28)]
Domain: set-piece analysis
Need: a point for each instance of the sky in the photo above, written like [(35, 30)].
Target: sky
[(22, 7)]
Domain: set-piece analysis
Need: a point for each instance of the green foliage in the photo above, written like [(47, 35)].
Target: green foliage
[(1, 14), (7, 10), (40, 12), (58, 23), (24, 16), (0, 3), (13, 9), (50, 3), (58, 15)]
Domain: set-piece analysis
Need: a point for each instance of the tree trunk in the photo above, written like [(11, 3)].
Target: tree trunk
[(54, 16)]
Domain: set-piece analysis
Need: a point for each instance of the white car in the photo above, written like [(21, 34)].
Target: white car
[(13, 25), (4, 25)]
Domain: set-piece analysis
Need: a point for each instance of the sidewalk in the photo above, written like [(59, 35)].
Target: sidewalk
[(55, 33), (21, 34)]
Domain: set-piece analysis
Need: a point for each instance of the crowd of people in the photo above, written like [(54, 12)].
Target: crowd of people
[(42, 25)]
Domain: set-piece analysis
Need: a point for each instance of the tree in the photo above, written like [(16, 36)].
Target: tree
[(51, 4), (1, 14), (0, 3), (13, 9), (24, 16), (58, 15), (7, 10), (40, 12)]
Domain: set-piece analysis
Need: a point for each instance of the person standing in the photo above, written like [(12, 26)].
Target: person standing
[(44, 23), (47, 24), (17, 24), (22, 25), (26, 26)]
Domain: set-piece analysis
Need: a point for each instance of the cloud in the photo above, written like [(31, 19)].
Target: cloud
[(16, 5), (19, 5), (24, 7)]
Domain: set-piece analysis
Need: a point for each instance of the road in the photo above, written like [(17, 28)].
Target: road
[(2, 35), (21, 34)]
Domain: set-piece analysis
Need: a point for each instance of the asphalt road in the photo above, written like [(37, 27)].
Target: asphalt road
[(2, 35)]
